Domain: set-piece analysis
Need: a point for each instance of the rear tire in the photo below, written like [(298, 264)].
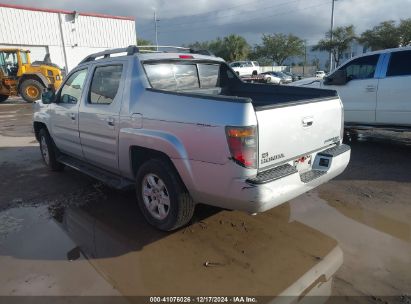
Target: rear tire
[(31, 90), (162, 197), (48, 151), (3, 97)]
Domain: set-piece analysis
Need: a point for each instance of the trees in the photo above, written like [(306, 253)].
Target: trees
[(278, 47), (231, 48), (383, 36), (388, 35), (343, 36), (274, 48), (142, 42), (405, 31), (234, 47)]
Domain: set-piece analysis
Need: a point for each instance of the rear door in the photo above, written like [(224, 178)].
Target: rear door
[(394, 91), (64, 114), (100, 115), (359, 94)]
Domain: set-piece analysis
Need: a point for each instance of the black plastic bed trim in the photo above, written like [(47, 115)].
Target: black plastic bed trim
[(273, 174)]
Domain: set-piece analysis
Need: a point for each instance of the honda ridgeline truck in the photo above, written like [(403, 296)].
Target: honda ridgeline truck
[(182, 128)]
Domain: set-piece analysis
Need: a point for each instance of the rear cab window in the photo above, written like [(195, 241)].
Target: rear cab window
[(181, 76)]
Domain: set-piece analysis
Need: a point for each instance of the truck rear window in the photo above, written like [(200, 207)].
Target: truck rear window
[(182, 76)]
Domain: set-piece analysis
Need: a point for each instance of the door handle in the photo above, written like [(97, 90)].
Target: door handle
[(73, 116), (307, 121), (110, 121), (370, 88)]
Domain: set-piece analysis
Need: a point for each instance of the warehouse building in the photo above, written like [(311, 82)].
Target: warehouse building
[(68, 36)]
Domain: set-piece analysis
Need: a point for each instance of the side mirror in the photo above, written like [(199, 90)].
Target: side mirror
[(48, 97), (339, 77)]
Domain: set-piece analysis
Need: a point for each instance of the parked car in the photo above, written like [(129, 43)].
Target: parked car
[(245, 68), (269, 77), (184, 129), (375, 88), (283, 78), (294, 77), (319, 74)]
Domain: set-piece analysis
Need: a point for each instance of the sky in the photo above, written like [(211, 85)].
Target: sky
[(185, 21)]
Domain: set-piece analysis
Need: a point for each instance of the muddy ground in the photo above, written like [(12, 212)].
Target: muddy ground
[(66, 234)]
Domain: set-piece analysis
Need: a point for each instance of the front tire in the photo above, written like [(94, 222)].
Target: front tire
[(31, 90), (48, 151), (162, 197), (3, 97)]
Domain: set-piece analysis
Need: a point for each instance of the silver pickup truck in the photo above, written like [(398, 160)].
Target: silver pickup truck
[(182, 128)]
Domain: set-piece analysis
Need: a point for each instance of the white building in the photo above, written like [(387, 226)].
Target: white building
[(67, 36)]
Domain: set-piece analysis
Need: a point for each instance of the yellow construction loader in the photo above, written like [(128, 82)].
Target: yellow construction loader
[(18, 76)]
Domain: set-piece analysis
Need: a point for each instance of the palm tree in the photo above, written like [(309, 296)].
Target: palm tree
[(235, 48)]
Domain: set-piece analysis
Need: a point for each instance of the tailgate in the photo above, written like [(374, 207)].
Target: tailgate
[(288, 132)]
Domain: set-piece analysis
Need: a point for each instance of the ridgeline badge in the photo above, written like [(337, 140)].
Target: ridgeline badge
[(266, 159)]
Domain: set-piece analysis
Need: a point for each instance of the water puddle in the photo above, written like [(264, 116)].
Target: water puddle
[(222, 253), (375, 262)]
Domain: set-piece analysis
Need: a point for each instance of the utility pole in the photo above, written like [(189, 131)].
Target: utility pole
[(331, 32), (63, 44), (156, 27), (305, 56)]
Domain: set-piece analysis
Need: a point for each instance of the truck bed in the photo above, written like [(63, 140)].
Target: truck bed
[(265, 96)]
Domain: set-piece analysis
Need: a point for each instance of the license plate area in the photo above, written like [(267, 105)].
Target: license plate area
[(303, 164)]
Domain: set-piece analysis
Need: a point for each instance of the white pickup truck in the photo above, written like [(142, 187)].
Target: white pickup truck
[(182, 128), (246, 68), (375, 89)]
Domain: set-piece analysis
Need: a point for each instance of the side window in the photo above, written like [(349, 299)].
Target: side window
[(361, 68), (72, 88), (400, 64), (23, 56), (105, 83)]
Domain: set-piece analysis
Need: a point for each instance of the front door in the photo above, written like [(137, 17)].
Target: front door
[(359, 94), (64, 115), (100, 116), (394, 91)]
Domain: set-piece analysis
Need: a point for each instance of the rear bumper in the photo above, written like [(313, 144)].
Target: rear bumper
[(271, 189)]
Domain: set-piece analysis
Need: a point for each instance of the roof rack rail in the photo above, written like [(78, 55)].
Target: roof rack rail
[(190, 50), (130, 50), (164, 47)]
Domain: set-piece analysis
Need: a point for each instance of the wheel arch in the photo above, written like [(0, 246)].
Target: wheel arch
[(138, 145), (37, 126), (34, 76), (139, 155)]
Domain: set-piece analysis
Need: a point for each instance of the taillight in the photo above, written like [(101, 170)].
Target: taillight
[(242, 142)]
